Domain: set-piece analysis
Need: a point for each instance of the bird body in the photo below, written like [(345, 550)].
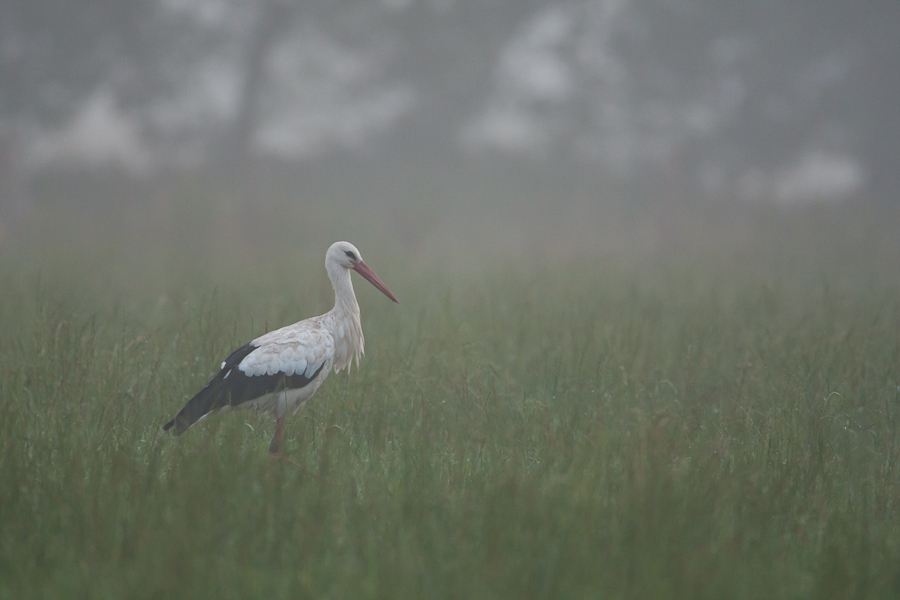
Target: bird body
[(278, 372)]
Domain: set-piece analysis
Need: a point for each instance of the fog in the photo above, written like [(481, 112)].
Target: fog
[(449, 121)]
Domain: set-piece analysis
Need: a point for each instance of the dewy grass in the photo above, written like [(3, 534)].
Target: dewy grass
[(561, 432)]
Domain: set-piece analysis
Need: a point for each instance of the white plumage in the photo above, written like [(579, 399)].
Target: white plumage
[(279, 371)]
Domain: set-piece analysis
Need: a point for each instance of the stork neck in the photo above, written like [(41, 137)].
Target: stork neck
[(349, 342), (345, 303)]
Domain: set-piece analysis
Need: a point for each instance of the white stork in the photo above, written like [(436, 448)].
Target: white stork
[(279, 371)]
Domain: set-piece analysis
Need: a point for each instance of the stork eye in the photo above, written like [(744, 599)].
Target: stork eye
[(350, 255)]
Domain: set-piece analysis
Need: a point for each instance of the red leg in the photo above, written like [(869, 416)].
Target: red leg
[(275, 446)]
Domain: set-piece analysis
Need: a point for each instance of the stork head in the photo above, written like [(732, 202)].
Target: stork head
[(344, 255)]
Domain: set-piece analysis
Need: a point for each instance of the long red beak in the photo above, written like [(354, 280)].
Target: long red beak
[(363, 269)]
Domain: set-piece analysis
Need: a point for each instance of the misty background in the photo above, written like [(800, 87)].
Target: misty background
[(446, 121)]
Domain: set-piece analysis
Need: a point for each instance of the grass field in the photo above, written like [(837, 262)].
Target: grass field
[(693, 425)]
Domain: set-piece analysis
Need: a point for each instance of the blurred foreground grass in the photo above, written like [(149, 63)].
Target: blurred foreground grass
[(684, 426)]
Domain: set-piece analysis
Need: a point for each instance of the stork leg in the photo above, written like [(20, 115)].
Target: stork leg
[(275, 446)]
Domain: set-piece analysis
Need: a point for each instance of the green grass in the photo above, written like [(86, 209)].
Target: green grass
[(678, 428)]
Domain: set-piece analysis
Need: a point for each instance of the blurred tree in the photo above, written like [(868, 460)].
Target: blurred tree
[(685, 92), (56, 53), (449, 50), (273, 18)]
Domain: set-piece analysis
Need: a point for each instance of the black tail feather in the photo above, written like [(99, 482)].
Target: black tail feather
[(210, 398), (213, 395)]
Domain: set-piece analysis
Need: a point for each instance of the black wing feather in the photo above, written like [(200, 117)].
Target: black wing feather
[(231, 387)]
